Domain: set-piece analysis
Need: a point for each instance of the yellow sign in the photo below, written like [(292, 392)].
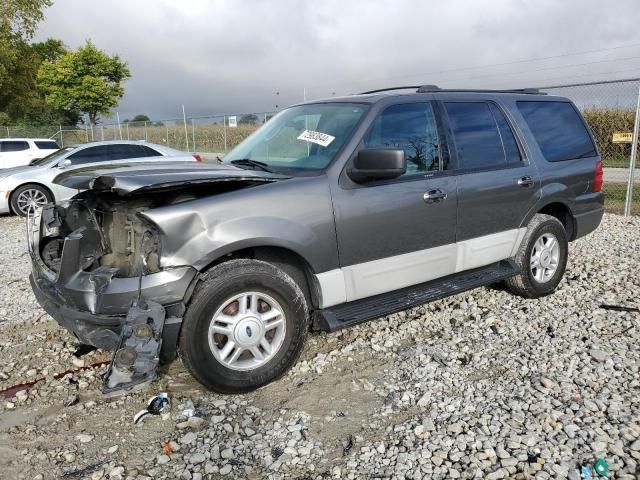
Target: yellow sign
[(622, 137)]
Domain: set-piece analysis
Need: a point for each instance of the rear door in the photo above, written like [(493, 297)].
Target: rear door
[(497, 185), (389, 235), (14, 153)]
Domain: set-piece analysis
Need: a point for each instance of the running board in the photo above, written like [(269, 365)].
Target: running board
[(359, 311)]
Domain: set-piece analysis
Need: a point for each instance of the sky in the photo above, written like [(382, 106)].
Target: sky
[(224, 57)]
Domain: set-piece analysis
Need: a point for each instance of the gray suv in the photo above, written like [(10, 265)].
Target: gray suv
[(333, 213)]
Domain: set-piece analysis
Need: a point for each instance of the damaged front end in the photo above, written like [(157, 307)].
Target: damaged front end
[(97, 259), (96, 271)]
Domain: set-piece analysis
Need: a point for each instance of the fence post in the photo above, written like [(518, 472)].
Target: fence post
[(632, 161), (86, 132), (186, 135), (61, 137), (193, 134), (8, 134), (146, 138), (224, 127), (128, 131), (166, 125), (92, 139), (102, 132)]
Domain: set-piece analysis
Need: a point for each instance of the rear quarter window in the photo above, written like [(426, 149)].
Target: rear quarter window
[(558, 129), (42, 145)]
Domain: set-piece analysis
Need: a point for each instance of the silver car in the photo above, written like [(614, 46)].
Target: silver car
[(26, 187)]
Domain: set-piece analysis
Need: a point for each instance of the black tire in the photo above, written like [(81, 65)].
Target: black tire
[(218, 285), (524, 284), (24, 188)]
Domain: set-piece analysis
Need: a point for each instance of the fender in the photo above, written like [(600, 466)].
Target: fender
[(548, 194)]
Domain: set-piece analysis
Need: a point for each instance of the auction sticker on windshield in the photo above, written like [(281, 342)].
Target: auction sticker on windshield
[(320, 138)]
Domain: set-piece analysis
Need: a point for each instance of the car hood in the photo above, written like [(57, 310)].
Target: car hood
[(143, 177), (5, 172)]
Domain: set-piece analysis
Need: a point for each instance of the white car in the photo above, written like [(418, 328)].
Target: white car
[(31, 186), (15, 152)]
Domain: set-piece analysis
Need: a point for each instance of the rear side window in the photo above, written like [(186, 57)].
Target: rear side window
[(47, 145), (125, 151), (558, 129), (13, 146), (411, 127), (476, 135)]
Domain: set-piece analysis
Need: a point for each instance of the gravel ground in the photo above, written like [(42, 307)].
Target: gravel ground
[(480, 385)]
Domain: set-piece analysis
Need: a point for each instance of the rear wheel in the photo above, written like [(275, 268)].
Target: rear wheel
[(29, 197), (244, 327), (542, 258)]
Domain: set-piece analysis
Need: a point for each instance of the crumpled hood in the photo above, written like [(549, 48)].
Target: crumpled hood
[(142, 177)]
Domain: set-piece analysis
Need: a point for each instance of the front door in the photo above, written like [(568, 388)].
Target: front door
[(399, 232), (496, 184)]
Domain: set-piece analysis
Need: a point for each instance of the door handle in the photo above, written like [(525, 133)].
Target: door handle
[(433, 196), (525, 181)]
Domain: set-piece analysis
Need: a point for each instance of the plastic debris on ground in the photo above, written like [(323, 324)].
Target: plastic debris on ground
[(155, 406)]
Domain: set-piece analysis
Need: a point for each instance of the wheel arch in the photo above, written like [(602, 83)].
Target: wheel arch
[(288, 260), (37, 184), (563, 213)]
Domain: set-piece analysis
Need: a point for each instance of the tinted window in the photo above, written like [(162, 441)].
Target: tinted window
[(124, 151), (509, 143), (411, 127), (51, 145), (559, 130), (89, 155), (13, 146), (476, 135)]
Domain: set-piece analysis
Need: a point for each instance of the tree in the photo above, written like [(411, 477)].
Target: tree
[(249, 119), (87, 80), (19, 61), (19, 18), (140, 118)]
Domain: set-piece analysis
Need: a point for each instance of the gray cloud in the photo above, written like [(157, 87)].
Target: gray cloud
[(232, 56)]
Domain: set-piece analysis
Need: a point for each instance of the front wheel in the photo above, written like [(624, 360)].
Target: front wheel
[(542, 258), (244, 327), (29, 198)]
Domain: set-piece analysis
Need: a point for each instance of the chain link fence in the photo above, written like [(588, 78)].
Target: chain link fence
[(610, 110)]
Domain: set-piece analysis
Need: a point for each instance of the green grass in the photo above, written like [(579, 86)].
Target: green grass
[(615, 194)]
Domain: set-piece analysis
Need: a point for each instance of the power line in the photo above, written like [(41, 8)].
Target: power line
[(359, 85)]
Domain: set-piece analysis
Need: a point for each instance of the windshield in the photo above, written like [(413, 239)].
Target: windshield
[(299, 139), (51, 157)]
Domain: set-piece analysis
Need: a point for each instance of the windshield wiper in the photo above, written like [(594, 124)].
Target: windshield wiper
[(252, 163)]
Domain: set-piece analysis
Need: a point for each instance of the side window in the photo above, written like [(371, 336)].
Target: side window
[(89, 155), (122, 151), (476, 135), (511, 150), (144, 151), (411, 127), (558, 129), (46, 145), (13, 146)]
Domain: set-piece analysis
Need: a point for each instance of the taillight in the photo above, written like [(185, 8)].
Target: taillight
[(598, 179), (197, 157)]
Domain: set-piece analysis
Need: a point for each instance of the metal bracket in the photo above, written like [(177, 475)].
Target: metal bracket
[(135, 360)]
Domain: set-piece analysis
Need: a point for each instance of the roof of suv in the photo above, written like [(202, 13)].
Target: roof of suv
[(373, 96), (24, 139)]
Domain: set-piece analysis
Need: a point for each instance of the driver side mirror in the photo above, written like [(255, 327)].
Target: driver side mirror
[(378, 164), (65, 163)]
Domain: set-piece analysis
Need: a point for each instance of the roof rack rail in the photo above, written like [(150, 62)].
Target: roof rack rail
[(435, 88)]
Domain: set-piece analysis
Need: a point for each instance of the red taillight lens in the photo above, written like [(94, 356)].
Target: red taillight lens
[(598, 179), (197, 157)]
